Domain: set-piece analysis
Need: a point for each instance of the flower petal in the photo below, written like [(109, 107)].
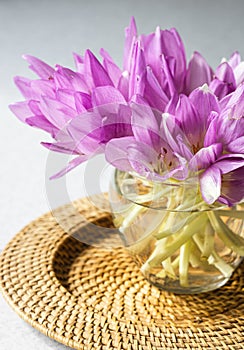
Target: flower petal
[(56, 112), (237, 145), (137, 71), (106, 97), (71, 165), (210, 184), (198, 72), (233, 187), (204, 102), (61, 147), (40, 122), (39, 67), (205, 157), (86, 131), (116, 152), (153, 92), (235, 59), (113, 70), (21, 110), (145, 126), (230, 162), (130, 37), (239, 73), (95, 70)]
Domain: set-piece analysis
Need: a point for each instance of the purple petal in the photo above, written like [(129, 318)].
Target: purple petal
[(236, 97), (113, 70), (40, 122), (204, 102), (230, 162), (219, 88), (224, 101), (105, 96), (79, 62), (61, 147), (42, 69), (57, 113), (234, 60), (210, 184), (211, 135), (169, 44), (225, 73), (42, 88), (233, 187), (66, 96), (225, 80), (130, 38), (171, 106), (236, 146), (152, 44), (239, 73), (153, 91), (173, 47), (86, 131), (145, 125), (137, 71), (142, 158), (138, 99), (123, 85), (71, 165), (198, 73), (188, 118), (96, 71), (171, 133), (82, 101), (65, 78), (116, 152), (205, 157), (235, 106), (168, 75), (23, 85), (21, 110), (117, 125)]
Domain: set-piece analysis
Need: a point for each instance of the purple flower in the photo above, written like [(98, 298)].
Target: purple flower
[(227, 127), (198, 73), (156, 116), (228, 76), (157, 150), (224, 181)]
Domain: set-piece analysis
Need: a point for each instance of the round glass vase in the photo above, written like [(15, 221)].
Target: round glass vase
[(180, 243)]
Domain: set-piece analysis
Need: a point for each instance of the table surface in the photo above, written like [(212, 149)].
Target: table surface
[(52, 30)]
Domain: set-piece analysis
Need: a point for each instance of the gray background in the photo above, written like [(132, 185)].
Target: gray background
[(52, 30)]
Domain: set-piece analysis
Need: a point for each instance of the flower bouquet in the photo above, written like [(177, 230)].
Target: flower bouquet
[(175, 134)]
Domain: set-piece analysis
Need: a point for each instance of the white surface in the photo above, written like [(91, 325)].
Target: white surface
[(52, 30)]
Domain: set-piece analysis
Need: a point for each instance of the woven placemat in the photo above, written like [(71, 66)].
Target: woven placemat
[(94, 298)]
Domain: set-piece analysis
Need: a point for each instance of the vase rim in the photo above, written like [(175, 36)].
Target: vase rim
[(157, 204)]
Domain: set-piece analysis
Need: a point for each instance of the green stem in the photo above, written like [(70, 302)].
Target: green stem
[(168, 268), (230, 239), (162, 251), (238, 214), (208, 243), (214, 258), (185, 251), (170, 228)]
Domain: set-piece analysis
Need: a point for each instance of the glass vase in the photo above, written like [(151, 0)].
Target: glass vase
[(180, 243)]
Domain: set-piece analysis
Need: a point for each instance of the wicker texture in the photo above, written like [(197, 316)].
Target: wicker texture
[(94, 298)]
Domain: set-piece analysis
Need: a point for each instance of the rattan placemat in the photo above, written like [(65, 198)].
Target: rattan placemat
[(94, 298)]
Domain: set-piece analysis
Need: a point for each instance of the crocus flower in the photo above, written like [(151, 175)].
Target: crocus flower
[(224, 181), (156, 115), (157, 150), (228, 76)]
